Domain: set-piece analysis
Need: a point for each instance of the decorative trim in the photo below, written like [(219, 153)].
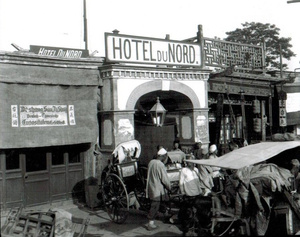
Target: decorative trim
[(157, 85), (46, 61), (152, 74), (255, 90), (220, 53), (116, 111)]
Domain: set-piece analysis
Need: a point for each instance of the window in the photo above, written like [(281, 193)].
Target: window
[(35, 161), (12, 160), (74, 157), (57, 158)]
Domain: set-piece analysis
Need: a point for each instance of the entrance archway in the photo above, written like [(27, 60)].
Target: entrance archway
[(164, 86), (179, 110)]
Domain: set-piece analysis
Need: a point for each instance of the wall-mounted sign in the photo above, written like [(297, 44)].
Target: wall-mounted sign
[(134, 49), (59, 52), (282, 113), (42, 115)]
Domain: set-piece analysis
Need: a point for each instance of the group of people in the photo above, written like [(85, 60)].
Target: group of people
[(193, 181)]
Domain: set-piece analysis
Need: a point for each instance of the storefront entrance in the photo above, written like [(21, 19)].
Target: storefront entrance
[(43, 175), (150, 137), (178, 123)]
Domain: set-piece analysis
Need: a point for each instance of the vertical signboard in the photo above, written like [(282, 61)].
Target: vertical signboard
[(282, 96), (282, 113)]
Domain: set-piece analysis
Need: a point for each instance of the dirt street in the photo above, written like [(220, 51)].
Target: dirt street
[(101, 225)]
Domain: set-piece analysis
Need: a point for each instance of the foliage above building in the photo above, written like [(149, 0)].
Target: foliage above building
[(256, 33)]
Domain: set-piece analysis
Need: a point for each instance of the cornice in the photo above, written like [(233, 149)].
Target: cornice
[(31, 59), (153, 73), (235, 88)]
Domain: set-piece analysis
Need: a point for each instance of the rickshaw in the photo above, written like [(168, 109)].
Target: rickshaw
[(264, 192), (123, 182)]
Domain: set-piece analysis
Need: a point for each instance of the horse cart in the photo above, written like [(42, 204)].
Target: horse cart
[(256, 195), (123, 182)]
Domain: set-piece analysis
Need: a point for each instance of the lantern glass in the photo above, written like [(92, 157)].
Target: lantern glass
[(158, 113)]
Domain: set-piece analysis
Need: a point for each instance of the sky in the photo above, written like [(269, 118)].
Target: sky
[(59, 23)]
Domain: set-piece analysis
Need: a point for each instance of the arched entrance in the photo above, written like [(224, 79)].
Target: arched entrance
[(183, 93), (176, 125)]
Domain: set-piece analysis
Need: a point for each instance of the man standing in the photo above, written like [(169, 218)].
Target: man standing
[(198, 151), (157, 183), (189, 182)]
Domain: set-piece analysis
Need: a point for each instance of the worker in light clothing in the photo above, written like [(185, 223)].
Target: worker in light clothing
[(213, 155), (158, 184), (189, 182), (192, 187), (216, 171)]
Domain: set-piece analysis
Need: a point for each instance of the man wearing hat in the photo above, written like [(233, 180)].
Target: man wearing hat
[(157, 184), (198, 150), (213, 151)]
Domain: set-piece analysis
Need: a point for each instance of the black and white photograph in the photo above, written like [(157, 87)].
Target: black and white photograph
[(132, 118)]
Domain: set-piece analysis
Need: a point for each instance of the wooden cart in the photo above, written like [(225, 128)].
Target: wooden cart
[(272, 195), (39, 224)]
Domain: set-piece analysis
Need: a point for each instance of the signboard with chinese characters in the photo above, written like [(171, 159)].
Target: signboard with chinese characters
[(42, 115), (282, 113), (59, 52), (134, 49)]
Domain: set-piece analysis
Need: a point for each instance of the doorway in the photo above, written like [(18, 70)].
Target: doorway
[(179, 109), (41, 175), (150, 137)]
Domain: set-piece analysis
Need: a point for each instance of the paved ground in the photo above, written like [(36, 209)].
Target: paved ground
[(101, 225)]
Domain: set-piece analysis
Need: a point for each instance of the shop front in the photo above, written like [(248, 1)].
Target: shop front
[(138, 72), (48, 123), (241, 95), (213, 91), (292, 91), (56, 105), (287, 94), (241, 110)]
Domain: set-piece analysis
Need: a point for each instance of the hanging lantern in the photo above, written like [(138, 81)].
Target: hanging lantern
[(158, 113), (256, 106), (227, 128), (257, 125)]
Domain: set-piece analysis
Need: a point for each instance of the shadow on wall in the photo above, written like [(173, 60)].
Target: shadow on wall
[(86, 192)]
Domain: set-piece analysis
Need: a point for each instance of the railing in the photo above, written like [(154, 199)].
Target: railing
[(221, 53)]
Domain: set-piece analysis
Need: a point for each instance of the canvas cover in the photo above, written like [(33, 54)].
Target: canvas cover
[(176, 156), (249, 155)]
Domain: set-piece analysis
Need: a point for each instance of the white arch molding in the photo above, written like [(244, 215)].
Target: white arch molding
[(157, 86)]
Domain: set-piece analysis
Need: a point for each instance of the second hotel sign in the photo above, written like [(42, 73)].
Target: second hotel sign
[(133, 49)]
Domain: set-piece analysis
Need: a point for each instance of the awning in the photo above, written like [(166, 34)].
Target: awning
[(249, 155)]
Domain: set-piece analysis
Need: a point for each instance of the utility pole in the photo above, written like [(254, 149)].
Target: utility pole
[(280, 49), (85, 31)]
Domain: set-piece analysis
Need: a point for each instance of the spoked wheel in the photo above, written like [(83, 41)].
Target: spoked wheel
[(140, 190), (115, 198), (144, 202)]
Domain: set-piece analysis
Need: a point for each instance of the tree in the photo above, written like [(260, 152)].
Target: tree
[(255, 33)]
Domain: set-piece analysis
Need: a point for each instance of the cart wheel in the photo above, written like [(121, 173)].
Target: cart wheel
[(115, 198)]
